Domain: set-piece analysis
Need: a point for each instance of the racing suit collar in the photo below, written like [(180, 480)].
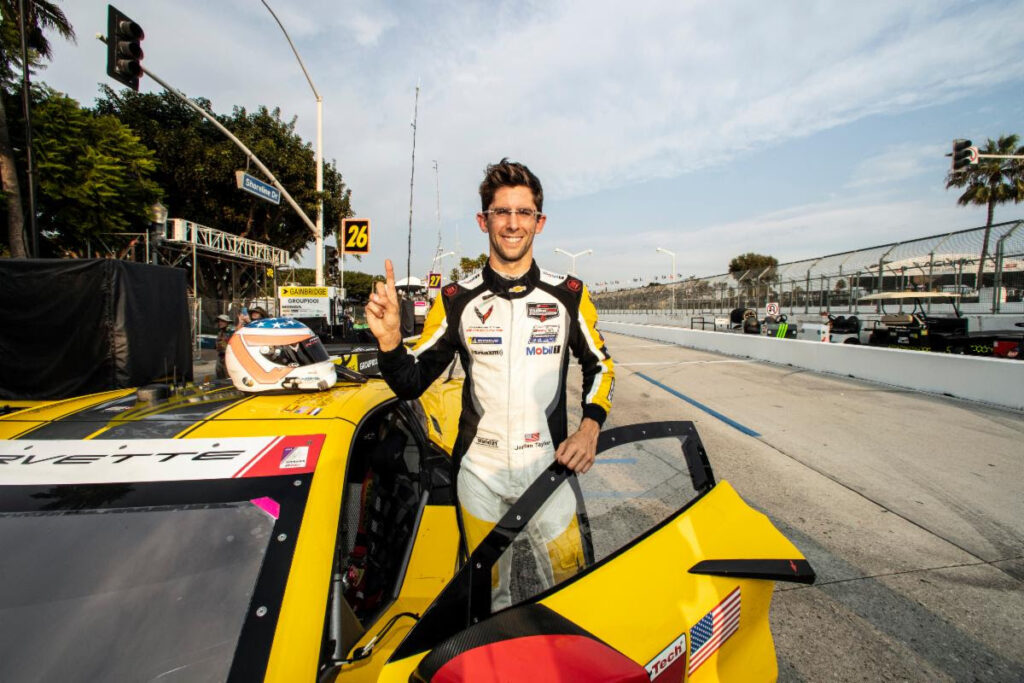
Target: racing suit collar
[(511, 289)]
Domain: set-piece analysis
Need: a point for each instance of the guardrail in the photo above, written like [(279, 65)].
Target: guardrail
[(994, 381)]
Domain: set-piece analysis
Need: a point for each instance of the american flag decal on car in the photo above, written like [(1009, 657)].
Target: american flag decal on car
[(714, 628)]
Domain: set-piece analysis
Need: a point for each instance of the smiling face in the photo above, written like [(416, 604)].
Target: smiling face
[(511, 238)]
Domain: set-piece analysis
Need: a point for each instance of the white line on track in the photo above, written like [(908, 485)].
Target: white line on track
[(681, 362), (647, 346)]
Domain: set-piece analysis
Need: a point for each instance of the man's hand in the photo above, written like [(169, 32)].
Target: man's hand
[(579, 450), (382, 311)]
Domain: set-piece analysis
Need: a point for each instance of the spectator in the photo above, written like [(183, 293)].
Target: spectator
[(224, 332)]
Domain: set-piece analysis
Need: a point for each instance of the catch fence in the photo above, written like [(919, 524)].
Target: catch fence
[(948, 262)]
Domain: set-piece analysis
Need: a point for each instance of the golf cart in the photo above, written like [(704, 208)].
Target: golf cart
[(921, 330)]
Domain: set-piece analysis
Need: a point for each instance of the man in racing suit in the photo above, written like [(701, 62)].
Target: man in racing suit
[(512, 326)]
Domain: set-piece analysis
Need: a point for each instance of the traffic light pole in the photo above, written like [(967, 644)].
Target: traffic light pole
[(252, 157)]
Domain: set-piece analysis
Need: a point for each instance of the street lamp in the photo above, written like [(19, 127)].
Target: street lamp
[(673, 278), (572, 266), (319, 154)]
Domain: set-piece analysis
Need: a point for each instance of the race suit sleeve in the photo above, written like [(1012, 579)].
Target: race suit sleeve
[(410, 372), (589, 348)]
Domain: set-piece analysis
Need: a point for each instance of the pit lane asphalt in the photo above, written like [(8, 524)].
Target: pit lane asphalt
[(910, 507)]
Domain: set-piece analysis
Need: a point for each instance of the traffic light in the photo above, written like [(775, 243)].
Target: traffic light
[(331, 260), (124, 48), (964, 154)]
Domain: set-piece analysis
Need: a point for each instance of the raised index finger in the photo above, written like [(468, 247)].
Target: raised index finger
[(389, 279)]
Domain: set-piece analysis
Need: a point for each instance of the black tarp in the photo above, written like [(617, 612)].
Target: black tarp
[(78, 326)]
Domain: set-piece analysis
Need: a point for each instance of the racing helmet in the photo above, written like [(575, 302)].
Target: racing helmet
[(277, 354)]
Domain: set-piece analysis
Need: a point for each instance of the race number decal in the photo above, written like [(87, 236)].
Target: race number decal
[(355, 235), (434, 281)]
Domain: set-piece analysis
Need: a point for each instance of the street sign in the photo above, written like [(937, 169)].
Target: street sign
[(355, 234), (434, 281), (771, 308), (255, 186)]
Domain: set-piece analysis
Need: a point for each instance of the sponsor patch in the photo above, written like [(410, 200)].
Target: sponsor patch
[(573, 284), (294, 457), (671, 658), (543, 350), (489, 443), (486, 329), (483, 315), (491, 352), (451, 289), (484, 340), (518, 289), (544, 334), (541, 311)]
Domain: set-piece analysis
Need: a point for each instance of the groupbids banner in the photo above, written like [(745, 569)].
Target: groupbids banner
[(45, 462)]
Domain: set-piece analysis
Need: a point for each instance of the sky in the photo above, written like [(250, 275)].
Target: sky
[(709, 128)]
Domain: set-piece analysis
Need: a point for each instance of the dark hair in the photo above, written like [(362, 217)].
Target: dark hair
[(507, 173)]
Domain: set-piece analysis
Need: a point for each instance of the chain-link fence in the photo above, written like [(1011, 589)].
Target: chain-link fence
[(204, 312), (949, 262)]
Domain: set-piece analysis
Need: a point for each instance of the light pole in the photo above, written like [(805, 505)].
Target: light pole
[(572, 266), (439, 260), (673, 278), (319, 154)]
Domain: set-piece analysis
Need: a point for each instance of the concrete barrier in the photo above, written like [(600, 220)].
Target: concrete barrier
[(996, 381)]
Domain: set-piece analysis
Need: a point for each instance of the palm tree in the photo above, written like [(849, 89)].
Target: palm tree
[(991, 182), (40, 16)]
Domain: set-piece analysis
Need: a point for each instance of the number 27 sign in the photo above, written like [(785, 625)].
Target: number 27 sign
[(355, 235)]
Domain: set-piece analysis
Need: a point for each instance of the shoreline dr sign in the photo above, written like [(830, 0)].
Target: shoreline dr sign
[(305, 302), (255, 186)]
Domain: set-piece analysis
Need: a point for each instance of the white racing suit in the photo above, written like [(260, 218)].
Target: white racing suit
[(513, 338)]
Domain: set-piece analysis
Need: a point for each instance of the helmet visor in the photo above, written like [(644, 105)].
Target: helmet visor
[(306, 352)]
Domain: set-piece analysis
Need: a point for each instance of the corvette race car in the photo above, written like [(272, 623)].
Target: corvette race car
[(203, 534)]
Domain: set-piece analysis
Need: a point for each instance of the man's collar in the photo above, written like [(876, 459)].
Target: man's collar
[(511, 289)]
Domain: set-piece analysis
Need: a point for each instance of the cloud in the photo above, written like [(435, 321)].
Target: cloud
[(896, 164), (800, 232)]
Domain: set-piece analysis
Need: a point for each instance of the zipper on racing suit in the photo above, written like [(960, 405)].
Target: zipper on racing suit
[(508, 394)]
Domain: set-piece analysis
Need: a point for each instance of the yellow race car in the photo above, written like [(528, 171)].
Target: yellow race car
[(201, 534)]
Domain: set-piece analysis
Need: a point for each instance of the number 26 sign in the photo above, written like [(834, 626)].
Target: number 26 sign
[(355, 235)]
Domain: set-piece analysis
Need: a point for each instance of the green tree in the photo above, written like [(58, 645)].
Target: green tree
[(94, 174), (471, 265), (196, 167), (991, 182), (357, 285), (41, 17)]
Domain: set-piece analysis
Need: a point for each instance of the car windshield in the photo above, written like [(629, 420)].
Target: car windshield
[(104, 587), (633, 487), (160, 593)]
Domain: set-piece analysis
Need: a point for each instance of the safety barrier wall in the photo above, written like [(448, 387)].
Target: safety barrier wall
[(995, 381)]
